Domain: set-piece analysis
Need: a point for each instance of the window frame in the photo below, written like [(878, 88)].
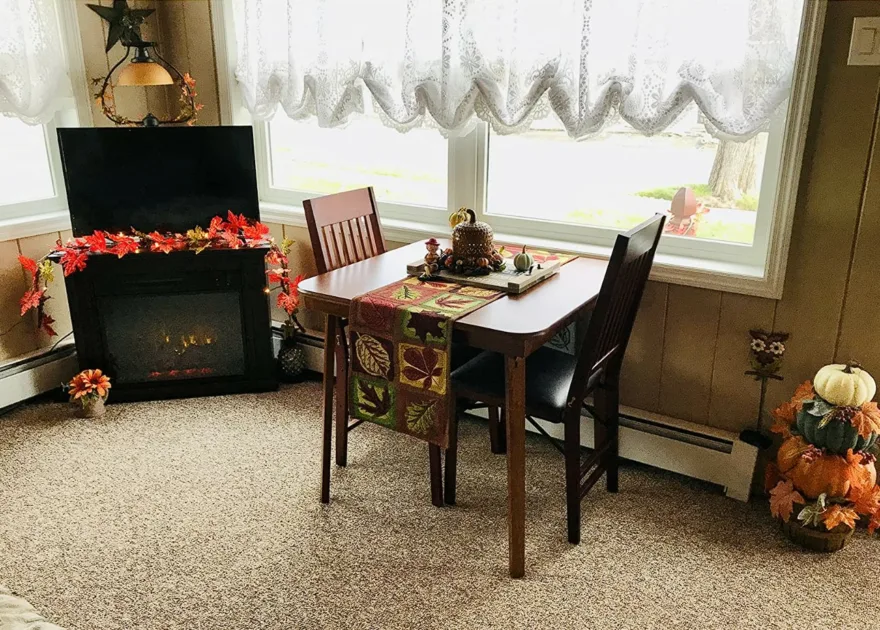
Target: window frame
[(51, 214), (757, 269)]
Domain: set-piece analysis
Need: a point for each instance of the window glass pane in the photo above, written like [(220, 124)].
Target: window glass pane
[(25, 174), (619, 177), (407, 168)]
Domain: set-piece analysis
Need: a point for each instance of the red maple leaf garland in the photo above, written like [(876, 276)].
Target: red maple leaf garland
[(237, 231)]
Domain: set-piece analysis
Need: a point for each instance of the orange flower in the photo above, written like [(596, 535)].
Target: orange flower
[(89, 382)]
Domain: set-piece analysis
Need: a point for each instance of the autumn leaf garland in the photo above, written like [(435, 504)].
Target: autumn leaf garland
[(235, 232)]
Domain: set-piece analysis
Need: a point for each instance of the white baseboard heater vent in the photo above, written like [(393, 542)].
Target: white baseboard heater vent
[(690, 449), (36, 373)]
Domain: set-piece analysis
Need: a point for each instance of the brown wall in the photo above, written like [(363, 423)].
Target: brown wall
[(690, 346)]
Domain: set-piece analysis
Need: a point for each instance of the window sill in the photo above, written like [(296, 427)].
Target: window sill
[(44, 223), (674, 269)]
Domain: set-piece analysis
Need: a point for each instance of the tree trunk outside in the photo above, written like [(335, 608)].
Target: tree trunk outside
[(735, 170)]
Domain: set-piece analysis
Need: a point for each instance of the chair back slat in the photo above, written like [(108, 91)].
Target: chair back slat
[(602, 348), (344, 228)]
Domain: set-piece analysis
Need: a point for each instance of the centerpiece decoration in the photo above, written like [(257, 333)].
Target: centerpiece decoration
[(89, 390), (473, 250), (825, 472), (235, 232)]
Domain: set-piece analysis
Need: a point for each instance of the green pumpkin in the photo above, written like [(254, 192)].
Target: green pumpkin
[(837, 436), (523, 261)]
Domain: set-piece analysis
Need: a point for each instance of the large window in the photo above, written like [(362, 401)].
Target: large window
[(542, 187), (619, 177)]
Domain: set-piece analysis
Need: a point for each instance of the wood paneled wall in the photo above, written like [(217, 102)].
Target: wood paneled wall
[(690, 346)]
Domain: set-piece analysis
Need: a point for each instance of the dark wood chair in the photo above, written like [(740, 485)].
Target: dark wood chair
[(344, 228), (557, 384)]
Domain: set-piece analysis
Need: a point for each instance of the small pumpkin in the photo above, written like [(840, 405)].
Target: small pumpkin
[(482, 262), (837, 436), (827, 474), (846, 385), (523, 261)]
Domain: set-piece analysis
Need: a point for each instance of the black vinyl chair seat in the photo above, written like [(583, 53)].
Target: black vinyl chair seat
[(548, 380), (461, 354)]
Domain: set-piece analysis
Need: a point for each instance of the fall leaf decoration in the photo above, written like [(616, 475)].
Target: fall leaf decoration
[(373, 356), (424, 324), (783, 498), (839, 515), (420, 416), (422, 364), (867, 419), (866, 501), (874, 523), (373, 400), (232, 233), (803, 393)]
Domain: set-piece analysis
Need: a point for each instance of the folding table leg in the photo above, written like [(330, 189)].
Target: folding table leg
[(515, 421), (327, 431)]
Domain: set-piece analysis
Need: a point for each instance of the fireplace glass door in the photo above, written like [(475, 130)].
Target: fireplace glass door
[(173, 337)]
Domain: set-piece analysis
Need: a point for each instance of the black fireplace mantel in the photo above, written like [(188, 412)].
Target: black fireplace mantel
[(125, 322)]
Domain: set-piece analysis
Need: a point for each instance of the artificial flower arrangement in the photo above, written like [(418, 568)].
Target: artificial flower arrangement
[(825, 473), (90, 389), (235, 232)]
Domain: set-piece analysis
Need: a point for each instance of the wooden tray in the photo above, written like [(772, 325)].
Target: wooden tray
[(509, 280)]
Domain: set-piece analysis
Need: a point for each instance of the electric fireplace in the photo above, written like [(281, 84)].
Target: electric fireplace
[(176, 324)]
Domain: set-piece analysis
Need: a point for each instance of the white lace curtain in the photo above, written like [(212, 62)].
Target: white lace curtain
[(505, 61), (33, 72)]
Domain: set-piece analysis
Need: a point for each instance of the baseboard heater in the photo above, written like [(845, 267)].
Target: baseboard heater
[(682, 447), (36, 373), (686, 448)]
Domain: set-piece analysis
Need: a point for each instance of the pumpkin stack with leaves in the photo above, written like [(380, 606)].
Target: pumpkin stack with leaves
[(824, 480)]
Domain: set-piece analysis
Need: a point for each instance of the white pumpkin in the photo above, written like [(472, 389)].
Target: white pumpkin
[(844, 385)]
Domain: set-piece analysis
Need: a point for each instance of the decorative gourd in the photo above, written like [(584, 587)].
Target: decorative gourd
[(837, 436), (790, 452), (826, 474), (845, 385), (523, 261)]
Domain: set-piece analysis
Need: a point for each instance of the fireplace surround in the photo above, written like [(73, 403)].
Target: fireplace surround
[(174, 325)]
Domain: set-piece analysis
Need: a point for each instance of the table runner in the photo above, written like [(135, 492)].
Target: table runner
[(400, 347), (400, 344)]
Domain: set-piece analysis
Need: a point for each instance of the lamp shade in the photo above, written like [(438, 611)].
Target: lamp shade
[(140, 73)]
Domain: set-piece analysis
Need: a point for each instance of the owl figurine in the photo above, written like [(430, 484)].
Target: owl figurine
[(765, 353)]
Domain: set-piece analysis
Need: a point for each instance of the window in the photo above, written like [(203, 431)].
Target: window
[(25, 165), (541, 187), (405, 169), (620, 177)]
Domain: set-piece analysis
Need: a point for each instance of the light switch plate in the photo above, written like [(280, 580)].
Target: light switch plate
[(864, 47)]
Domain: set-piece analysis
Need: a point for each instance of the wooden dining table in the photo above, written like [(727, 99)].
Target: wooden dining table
[(514, 325)]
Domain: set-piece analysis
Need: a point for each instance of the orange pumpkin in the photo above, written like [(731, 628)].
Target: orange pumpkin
[(832, 475), (790, 453)]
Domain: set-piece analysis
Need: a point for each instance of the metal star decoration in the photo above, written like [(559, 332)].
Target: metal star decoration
[(124, 22)]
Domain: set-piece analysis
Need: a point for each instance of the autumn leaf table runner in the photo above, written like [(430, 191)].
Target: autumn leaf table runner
[(400, 340)]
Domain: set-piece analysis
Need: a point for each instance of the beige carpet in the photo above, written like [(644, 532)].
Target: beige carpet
[(204, 514)]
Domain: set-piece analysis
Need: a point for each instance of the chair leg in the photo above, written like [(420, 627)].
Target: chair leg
[(436, 467), (449, 473), (341, 397), (497, 433), (573, 479), (612, 413)]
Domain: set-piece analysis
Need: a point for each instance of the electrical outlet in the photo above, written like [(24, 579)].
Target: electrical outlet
[(864, 48)]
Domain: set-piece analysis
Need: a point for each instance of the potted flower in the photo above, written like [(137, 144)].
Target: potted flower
[(825, 473), (89, 390)]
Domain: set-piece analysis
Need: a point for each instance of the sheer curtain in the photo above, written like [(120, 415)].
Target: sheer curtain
[(33, 71), (506, 61)]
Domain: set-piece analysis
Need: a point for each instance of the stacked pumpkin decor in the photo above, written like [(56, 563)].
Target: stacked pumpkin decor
[(824, 480)]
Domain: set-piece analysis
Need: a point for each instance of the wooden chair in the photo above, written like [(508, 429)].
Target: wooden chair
[(344, 228), (557, 383)]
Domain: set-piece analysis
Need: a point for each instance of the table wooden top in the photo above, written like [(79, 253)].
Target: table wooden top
[(514, 324)]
